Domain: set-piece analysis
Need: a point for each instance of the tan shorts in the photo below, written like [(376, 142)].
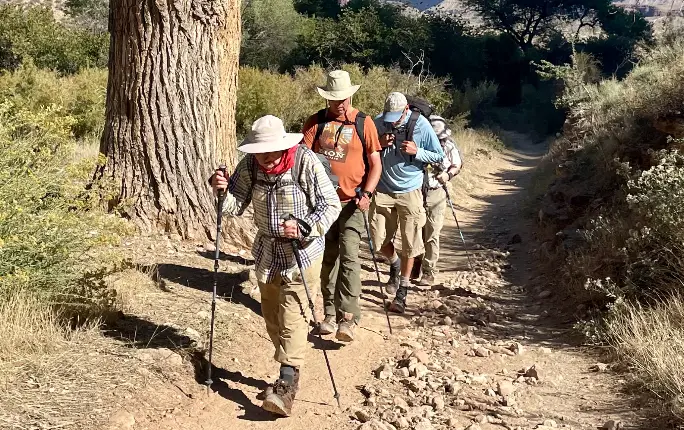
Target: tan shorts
[(402, 210)]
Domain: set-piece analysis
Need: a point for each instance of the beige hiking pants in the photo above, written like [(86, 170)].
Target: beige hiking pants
[(436, 210), (286, 312)]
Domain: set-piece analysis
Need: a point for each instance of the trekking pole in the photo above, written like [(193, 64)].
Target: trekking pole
[(377, 271), (453, 211), (219, 216), (296, 248)]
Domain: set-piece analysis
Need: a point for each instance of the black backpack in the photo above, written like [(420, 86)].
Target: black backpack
[(418, 107), (359, 125)]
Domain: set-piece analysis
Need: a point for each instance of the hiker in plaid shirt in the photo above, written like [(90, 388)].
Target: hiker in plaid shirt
[(270, 178)]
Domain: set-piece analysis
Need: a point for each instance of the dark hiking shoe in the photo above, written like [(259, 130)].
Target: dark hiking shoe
[(327, 326), (427, 279), (397, 306), (282, 396), (417, 264), (345, 331), (393, 282)]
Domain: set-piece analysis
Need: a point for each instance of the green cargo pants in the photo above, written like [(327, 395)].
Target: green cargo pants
[(341, 270)]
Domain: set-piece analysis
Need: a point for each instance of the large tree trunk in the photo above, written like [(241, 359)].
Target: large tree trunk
[(170, 120)]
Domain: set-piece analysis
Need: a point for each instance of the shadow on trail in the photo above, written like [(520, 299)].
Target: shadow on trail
[(203, 280), (224, 382), (138, 333)]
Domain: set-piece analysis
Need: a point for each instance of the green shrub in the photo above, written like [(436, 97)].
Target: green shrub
[(34, 33), (293, 98), (80, 96), (48, 229)]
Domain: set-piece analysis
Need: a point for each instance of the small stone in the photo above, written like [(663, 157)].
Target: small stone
[(436, 304), (447, 321), (545, 350), (489, 392), (517, 348), (473, 427), (390, 416), (599, 367), (401, 404), (402, 423), (421, 355), (453, 387), (550, 423), (423, 425), (508, 401), (360, 415), (544, 294), (612, 425), (452, 422), (384, 372), (532, 372), (402, 372), (122, 420), (367, 390), (204, 315), (482, 352), (371, 402), (192, 333), (438, 403), (420, 371), (412, 344), (373, 425), (505, 388), (478, 379), (417, 385)]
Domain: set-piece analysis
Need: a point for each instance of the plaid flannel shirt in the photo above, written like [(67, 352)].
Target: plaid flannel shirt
[(312, 198)]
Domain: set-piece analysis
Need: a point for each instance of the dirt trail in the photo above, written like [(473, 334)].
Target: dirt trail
[(501, 307)]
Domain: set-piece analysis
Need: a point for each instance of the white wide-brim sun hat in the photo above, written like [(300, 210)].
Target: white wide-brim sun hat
[(338, 86), (268, 135)]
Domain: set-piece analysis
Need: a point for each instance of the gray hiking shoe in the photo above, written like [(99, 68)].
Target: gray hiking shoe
[(427, 279), (327, 326), (345, 331)]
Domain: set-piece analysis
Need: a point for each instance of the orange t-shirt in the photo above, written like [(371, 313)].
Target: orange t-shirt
[(345, 156)]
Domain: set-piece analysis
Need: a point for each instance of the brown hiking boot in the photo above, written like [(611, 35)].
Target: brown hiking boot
[(262, 395), (345, 330), (327, 326), (282, 396)]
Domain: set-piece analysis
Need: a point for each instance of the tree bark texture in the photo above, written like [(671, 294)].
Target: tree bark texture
[(170, 118)]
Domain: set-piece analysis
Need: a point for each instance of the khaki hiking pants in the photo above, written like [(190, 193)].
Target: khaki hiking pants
[(286, 312), (341, 271), (403, 211), (436, 211)]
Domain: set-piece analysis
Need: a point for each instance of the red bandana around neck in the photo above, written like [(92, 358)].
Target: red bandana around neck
[(286, 162)]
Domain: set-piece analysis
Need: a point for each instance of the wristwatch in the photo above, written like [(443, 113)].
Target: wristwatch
[(368, 193)]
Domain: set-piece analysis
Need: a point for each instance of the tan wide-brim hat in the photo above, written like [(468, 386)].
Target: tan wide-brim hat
[(338, 86), (268, 135)]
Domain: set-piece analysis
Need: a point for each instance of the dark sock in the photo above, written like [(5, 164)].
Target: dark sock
[(396, 264), (287, 373)]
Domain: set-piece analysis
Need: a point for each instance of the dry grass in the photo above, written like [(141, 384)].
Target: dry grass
[(28, 327), (651, 341)]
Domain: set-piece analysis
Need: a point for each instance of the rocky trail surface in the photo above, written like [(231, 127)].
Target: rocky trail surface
[(485, 349)]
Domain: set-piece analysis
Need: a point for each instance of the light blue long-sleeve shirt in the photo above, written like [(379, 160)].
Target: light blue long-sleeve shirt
[(402, 173)]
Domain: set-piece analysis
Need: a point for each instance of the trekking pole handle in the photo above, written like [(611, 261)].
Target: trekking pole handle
[(304, 227), (222, 169)]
